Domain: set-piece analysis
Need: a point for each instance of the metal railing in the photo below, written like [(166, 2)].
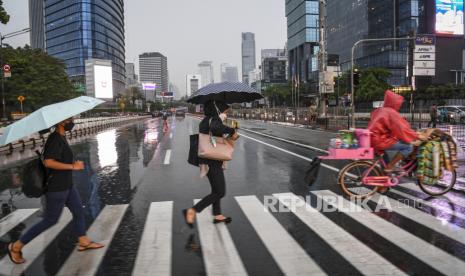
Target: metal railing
[(82, 127)]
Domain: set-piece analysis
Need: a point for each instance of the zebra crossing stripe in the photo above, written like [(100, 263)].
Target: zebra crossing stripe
[(35, 248), (154, 254), (448, 229), (219, 252), (102, 230), (363, 258), (422, 250), (429, 204), (9, 222), (287, 253)]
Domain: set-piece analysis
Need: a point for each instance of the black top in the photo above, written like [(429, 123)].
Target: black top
[(217, 129), (58, 149)]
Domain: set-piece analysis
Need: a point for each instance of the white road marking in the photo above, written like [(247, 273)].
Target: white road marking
[(12, 220), (35, 248), (363, 258), (154, 254), (290, 152), (422, 250), (287, 253), (285, 140), (220, 255), (171, 135), (167, 157), (102, 230)]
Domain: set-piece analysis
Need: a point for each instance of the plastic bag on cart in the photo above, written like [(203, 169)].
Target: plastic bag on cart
[(312, 172)]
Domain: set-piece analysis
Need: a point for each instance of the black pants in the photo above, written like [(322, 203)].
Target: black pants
[(217, 182)]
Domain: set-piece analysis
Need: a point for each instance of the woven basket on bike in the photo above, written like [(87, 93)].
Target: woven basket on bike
[(437, 160)]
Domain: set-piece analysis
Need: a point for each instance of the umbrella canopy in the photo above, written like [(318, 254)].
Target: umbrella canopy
[(46, 117), (228, 92)]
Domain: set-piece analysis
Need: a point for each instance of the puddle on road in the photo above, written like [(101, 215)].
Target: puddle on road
[(115, 162)]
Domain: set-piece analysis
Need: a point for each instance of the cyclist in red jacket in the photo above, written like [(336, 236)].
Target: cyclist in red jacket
[(391, 132)]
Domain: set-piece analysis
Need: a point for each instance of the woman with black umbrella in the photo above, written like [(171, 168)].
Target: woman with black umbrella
[(215, 114)]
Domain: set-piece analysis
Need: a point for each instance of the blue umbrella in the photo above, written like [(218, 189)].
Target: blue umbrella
[(46, 117), (228, 92)]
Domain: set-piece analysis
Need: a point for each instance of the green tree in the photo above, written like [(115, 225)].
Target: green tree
[(133, 93), (278, 95), (371, 87), (4, 16), (40, 78)]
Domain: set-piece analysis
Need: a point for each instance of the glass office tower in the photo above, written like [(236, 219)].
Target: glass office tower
[(303, 39), (77, 30), (351, 20), (248, 55)]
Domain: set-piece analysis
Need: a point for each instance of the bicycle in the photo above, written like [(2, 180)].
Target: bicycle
[(361, 179)]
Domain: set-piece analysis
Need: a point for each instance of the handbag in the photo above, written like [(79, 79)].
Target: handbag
[(221, 151), (193, 157)]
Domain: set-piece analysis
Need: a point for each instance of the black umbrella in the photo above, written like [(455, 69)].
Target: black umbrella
[(228, 92)]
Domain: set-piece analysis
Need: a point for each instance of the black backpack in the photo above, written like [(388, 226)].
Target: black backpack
[(35, 177)]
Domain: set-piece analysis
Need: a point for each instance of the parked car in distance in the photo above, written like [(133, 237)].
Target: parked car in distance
[(180, 113), (452, 114)]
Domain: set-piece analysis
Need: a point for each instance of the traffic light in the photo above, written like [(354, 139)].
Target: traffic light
[(356, 77)]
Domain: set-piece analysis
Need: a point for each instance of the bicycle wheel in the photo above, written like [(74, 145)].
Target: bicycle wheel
[(350, 179), (440, 187)]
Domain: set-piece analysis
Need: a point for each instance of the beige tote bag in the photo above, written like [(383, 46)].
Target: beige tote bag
[(222, 152)]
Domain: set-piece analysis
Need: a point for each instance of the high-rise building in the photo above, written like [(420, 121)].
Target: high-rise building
[(229, 73), (270, 53), (76, 31), (303, 39), (37, 24), (206, 71), (153, 68), (248, 55), (352, 20), (274, 65), (193, 83), (255, 75), (131, 77)]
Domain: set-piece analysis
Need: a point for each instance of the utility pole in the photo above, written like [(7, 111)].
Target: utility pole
[(322, 56), (352, 64)]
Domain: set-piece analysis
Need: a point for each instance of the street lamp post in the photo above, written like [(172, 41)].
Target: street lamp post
[(352, 90), (2, 37)]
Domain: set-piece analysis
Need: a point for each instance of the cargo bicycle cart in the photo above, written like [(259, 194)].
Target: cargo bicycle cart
[(366, 174)]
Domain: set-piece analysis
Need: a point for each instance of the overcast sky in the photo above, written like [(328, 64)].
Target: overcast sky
[(186, 31)]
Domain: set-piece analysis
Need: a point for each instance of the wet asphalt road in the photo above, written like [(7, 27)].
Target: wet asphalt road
[(131, 165)]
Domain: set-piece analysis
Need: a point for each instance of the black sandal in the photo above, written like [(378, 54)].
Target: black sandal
[(88, 246), (184, 213), (225, 220), (10, 250)]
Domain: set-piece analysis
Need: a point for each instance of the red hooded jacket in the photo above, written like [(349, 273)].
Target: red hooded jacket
[(387, 126)]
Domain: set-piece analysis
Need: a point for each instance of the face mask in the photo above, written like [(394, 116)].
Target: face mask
[(69, 126), (223, 116)]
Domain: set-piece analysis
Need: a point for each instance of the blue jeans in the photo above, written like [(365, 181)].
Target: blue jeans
[(55, 203), (401, 147)]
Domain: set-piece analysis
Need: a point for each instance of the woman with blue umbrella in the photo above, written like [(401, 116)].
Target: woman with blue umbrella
[(59, 160)]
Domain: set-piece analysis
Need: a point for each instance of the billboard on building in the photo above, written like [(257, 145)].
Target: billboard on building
[(149, 86), (103, 81), (449, 17)]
